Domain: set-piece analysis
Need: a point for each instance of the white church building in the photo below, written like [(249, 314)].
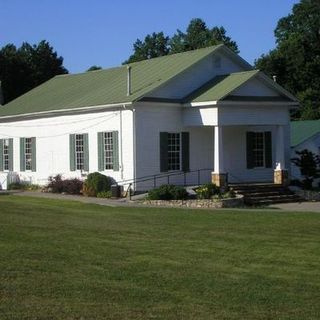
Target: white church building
[(199, 116)]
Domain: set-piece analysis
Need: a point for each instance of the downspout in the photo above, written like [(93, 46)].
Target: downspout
[(129, 92), (121, 143), (133, 143), (134, 146)]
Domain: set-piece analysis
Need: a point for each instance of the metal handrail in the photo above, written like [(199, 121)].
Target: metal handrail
[(2, 183), (156, 177)]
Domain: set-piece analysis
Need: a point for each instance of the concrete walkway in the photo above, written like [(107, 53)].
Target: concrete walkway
[(301, 207), (58, 196)]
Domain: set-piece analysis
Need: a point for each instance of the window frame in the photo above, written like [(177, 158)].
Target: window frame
[(261, 150), (108, 150), (28, 154), (79, 154), (170, 152), (6, 155)]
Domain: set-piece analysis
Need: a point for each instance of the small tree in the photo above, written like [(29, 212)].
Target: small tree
[(308, 163)]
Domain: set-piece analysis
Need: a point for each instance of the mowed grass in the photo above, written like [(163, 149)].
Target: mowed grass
[(68, 260)]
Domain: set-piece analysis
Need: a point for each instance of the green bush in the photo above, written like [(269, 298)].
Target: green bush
[(17, 186), (104, 194), (228, 194), (206, 191), (58, 185), (33, 187), (96, 183), (23, 186), (168, 192)]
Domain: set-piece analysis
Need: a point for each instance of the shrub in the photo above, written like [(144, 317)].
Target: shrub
[(55, 184), (104, 194), (17, 186), (168, 192), (23, 186), (96, 183), (206, 191), (72, 186), (33, 187), (58, 185), (228, 194), (309, 165)]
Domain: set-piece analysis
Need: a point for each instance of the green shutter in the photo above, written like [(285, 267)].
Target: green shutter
[(10, 154), (101, 160), (250, 160), (185, 142), (33, 154), (268, 149), (163, 151), (115, 139), (1, 155), (86, 151), (72, 151), (22, 154)]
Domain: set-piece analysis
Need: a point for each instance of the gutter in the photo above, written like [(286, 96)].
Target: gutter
[(235, 103), (61, 112)]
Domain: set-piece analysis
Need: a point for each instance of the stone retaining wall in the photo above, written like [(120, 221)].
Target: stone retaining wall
[(309, 195), (203, 203)]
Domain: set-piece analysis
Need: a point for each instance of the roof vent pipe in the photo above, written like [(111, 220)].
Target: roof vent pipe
[(128, 81), (274, 78)]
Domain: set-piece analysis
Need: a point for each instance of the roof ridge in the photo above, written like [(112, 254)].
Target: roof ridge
[(86, 72), (144, 60), (178, 53), (212, 49), (247, 71)]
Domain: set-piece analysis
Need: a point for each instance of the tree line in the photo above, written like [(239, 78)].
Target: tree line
[(295, 60)]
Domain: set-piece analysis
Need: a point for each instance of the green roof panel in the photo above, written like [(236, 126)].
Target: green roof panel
[(103, 87), (303, 130), (220, 86)]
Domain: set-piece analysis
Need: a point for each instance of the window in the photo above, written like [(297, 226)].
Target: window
[(108, 150), (258, 149), (79, 152), (174, 151), (79, 148), (28, 153), (6, 154)]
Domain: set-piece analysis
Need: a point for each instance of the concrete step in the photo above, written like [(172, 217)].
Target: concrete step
[(275, 197), (272, 201), (265, 194)]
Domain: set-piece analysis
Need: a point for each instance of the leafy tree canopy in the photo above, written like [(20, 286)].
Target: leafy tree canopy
[(197, 36), (94, 68), (308, 163), (24, 68), (296, 59)]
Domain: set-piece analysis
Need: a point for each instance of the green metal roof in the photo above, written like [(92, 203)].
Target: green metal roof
[(220, 86), (103, 86), (303, 130)]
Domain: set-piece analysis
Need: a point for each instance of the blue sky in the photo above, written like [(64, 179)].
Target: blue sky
[(102, 32)]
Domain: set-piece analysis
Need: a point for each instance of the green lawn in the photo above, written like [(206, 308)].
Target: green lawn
[(67, 260)]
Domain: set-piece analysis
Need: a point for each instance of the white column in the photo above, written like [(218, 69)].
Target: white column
[(218, 150), (280, 154)]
